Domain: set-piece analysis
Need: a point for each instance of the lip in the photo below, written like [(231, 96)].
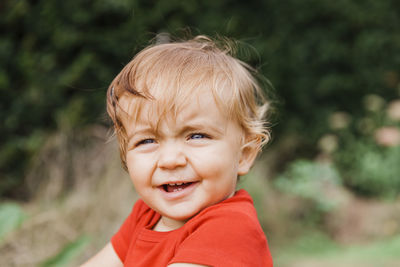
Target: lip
[(179, 194)]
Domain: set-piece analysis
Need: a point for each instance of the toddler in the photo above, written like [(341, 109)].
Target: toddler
[(188, 118)]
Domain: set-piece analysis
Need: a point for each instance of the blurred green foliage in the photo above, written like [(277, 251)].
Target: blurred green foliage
[(318, 249), (58, 57), (371, 170), (368, 157), (11, 217), (68, 253), (310, 180)]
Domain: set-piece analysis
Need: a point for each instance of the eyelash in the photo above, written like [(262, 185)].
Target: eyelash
[(146, 141), (201, 134)]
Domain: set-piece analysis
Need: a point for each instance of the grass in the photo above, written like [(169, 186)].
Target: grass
[(316, 249)]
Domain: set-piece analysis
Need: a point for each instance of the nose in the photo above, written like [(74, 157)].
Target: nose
[(171, 156)]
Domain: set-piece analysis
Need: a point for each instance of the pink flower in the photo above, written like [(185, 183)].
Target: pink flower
[(387, 136)]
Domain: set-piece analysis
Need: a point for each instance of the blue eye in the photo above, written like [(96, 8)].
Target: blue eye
[(145, 142), (198, 136)]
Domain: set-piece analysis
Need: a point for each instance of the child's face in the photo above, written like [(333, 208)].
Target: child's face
[(189, 162)]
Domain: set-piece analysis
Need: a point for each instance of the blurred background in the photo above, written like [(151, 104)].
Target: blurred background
[(327, 186)]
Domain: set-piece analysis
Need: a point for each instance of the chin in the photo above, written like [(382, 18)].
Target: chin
[(180, 217)]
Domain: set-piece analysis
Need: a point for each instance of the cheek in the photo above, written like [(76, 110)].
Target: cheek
[(216, 163), (139, 169)]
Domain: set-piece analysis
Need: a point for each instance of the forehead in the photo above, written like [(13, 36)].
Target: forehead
[(172, 108)]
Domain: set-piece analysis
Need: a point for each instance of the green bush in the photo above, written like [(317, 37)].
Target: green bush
[(310, 181), (370, 170), (368, 148)]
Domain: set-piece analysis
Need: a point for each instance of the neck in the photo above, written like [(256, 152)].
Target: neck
[(166, 224)]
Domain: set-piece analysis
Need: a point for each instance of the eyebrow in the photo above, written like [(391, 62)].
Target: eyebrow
[(144, 131), (201, 126)]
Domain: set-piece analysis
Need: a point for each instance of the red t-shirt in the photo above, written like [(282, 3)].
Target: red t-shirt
[(225, 234)]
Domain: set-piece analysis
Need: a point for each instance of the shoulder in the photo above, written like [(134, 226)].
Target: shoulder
[(140, 208), (142, 214), (239, 208), (227, 232), (230, 223)]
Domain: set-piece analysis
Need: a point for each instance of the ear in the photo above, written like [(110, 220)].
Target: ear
[(248, 155)]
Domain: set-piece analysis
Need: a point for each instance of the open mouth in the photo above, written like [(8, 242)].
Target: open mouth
[(175, 187)]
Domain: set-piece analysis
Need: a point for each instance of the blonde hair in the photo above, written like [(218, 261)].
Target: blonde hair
[(169, 73)]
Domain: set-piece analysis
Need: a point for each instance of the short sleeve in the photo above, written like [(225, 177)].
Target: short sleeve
[(122, 238), (225, 239)]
